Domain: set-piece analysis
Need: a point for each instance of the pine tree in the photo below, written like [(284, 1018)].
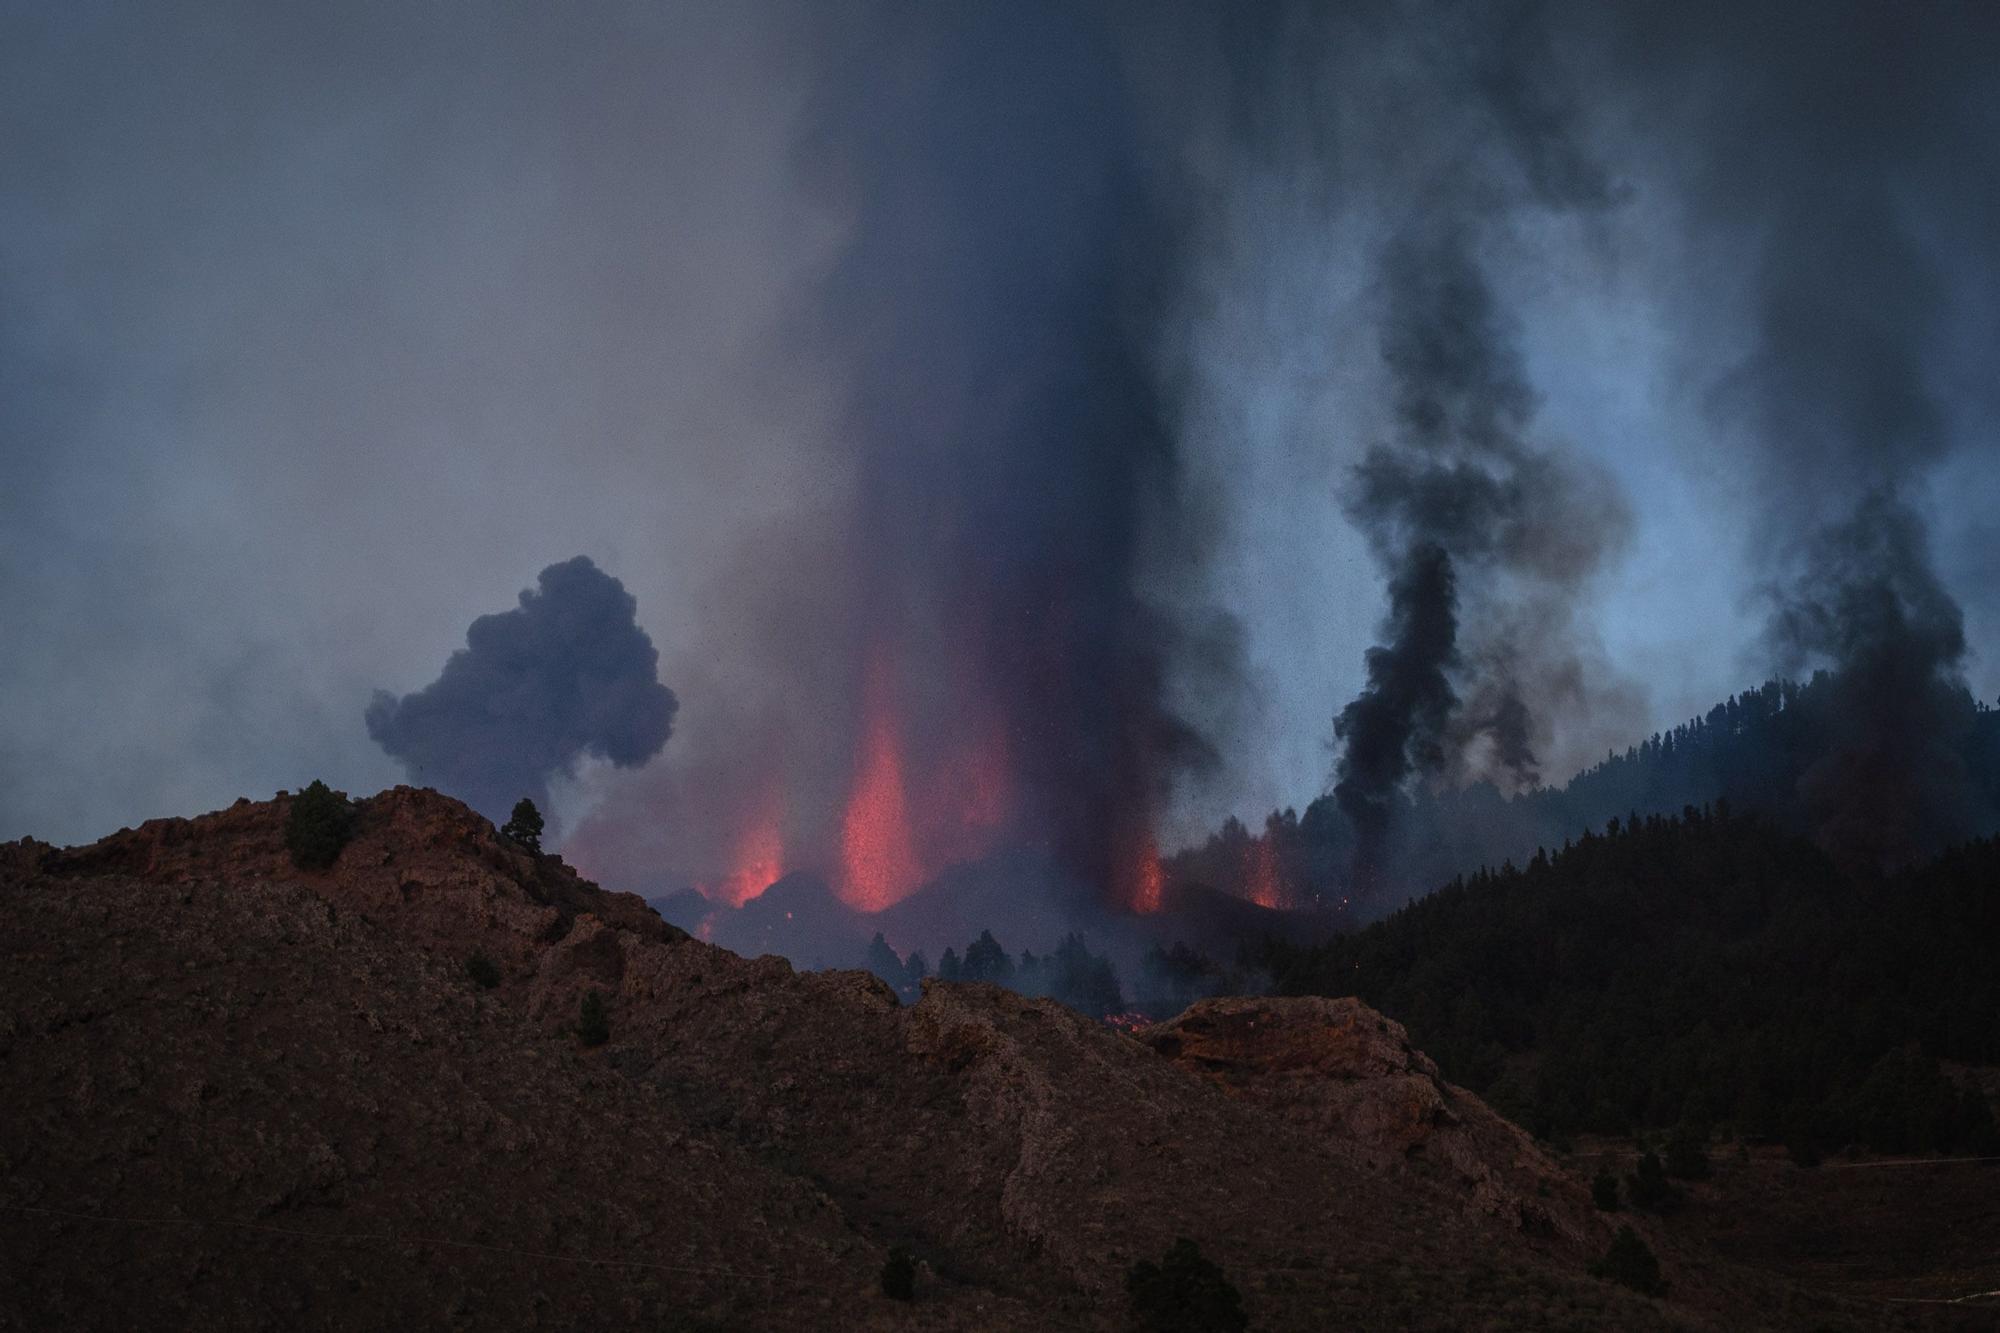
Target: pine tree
[(525, 826)]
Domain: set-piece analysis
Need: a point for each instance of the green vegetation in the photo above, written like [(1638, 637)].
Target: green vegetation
[(482, 971), (1604, 1191), (899, 1275), (1183, 1293), (593, 1023), (1701, 970), (525, 826), (1630, 1261), (317, 826)]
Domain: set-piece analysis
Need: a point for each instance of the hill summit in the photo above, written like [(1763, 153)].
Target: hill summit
[(447, 1082)]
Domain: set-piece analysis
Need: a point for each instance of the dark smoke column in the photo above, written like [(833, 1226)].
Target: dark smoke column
[(1866, 196), (1398, 724), (992, 312), (1460, 496), (568, 673)]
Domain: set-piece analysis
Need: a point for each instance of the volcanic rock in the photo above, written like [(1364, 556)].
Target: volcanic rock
[(1342, 1070), (238, 1094)]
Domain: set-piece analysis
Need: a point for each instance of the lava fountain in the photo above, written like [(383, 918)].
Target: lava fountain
[(757, 860), (878, 857)]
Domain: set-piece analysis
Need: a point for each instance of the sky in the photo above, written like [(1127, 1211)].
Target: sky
[(325, 329)]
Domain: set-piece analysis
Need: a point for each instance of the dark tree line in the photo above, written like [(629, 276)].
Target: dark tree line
[(1071, 974), (1168, 980), (1762, 750), (1709, 968)]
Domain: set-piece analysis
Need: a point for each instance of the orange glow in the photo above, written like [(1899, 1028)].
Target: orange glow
[(1146, 882), (878, 860), (758, 859), (1260, 876)]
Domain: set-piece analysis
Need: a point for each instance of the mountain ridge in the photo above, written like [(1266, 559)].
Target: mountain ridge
[(241, 1093)]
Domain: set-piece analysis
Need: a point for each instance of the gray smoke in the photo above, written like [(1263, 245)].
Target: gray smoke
[(1016, 459), (1461, 503), (1858, 208), (568, 673)]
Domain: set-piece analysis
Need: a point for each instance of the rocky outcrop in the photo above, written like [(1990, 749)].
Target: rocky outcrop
[(234, 1094), (1344, 1071)]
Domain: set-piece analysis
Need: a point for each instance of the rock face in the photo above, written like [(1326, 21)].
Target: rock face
[(237, 1094), (1344, 1071)]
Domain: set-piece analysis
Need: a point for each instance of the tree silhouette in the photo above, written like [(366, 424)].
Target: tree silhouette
[(317, 826), (525, 825)]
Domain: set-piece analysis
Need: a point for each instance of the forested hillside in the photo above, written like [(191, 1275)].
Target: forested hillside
[(1783, 749), (1706, 968)]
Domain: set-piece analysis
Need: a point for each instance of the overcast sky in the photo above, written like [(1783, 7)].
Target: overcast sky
[(324, 328)]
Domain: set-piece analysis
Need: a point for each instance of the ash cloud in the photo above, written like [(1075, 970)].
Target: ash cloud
[(567, 673), (1858, 214), (993, 314), (1461, 505)]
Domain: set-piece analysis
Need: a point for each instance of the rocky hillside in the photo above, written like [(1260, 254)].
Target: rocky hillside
[(238, 1094)]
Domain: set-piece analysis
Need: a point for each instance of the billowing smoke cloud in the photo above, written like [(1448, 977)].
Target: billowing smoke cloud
[(1399, 723), (1461, 501), (566, 674), (1481, 529), (1891, 779)]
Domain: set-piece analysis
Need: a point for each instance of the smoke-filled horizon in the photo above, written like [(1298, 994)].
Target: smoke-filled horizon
[(1055, 427)]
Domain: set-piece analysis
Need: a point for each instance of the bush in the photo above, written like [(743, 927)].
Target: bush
[(1604, 1191), (1183, 1293), (1630, 1261), (593, 1024), (317, 826), (525, 825), (1649, 1187), (899, 1275), (482, 971)]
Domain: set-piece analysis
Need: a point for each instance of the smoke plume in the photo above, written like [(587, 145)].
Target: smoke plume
[(1460, 503), (568, 673), (1863, 206), (1010, 257)]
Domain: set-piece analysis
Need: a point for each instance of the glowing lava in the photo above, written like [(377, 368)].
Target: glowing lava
[(878, 860), (758, 859), (1261, 874), (1145, 880)]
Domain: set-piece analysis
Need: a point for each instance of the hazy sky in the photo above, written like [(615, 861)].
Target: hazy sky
[(324, 328)]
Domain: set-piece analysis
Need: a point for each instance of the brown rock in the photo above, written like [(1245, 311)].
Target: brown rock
[(1345, 1071), (235, 1094)]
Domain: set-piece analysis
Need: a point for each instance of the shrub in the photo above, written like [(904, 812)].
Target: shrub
[(482, 971), (317, 826), (1604, 1191), (525, 825), (1183, 1293), (1649, 1187), (593, 1024), (1630, 1261), (899, 1275)]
